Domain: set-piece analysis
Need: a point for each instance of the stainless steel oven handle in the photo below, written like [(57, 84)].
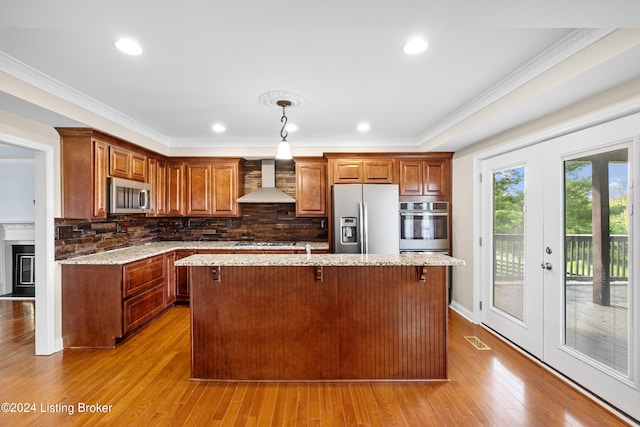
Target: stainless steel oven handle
[(143, 199), (423, 213)]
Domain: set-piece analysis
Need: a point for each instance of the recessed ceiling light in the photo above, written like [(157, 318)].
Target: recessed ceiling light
[(363, 127), (218, 128), (415, 46), (129, 46)]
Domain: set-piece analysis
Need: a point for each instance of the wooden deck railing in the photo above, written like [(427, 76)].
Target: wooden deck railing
[(509, 256)]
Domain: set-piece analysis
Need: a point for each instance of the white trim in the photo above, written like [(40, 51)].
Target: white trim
[(48, 310), (463, 311)]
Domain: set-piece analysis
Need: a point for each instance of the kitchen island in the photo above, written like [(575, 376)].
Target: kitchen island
[(278, 317)]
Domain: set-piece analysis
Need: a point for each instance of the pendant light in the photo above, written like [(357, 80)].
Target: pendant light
[(284, 150)]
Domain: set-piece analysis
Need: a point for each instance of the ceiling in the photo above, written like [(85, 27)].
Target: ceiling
[(491, 65)]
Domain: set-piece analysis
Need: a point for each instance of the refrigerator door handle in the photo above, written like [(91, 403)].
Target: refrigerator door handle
[(361, 225), (365, 228)]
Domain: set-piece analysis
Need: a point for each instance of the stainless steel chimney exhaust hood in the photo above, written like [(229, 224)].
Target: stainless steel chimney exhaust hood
[(268, 193)]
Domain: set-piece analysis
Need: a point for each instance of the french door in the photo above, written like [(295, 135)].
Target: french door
[(512, 291), (559, 259)]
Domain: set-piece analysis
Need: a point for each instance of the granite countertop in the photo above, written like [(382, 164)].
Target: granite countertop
[(318, 260), (136, 253)]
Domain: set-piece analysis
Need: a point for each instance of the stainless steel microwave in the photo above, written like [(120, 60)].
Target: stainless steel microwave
[(127, 197)]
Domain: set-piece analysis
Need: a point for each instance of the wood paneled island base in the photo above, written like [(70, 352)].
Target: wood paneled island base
[(275, 323)]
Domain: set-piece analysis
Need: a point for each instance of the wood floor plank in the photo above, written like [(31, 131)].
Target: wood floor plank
[(146, 380)]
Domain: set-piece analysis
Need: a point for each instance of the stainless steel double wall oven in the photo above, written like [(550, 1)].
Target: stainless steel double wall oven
[(424, 226)]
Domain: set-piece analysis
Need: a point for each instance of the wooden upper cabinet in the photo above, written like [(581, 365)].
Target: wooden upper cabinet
[(311, 186), (198, 192), (410, 178), (126, 164), (347, 172), (119, 162), (99, 181), (363, 171), (437, 178), (157, 172), (84, 160), (160, 192), (378, 171), (203, 187), (226, 188), (139, 167), (175, 189), (429, 176)]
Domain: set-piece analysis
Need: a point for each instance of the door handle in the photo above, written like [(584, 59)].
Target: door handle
[(546, 266)]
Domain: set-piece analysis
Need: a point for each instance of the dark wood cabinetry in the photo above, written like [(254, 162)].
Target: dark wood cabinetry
[(175, 189), (427, 176), (311, 186), (84, 157), (158, 179), (359, 323), (181, 275), (88, 157), (127, 164), (102, 304), (193, 186), (362, 171), (212, 186), (198, 192), (99, 180), (226, 188)]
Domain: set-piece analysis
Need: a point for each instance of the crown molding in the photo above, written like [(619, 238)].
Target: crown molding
[(568, 46), (39, 80)]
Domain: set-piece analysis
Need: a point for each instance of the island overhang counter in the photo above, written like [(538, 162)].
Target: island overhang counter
[(286, 317)]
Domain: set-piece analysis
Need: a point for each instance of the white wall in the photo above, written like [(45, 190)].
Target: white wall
[(605, 106), (17, 190)]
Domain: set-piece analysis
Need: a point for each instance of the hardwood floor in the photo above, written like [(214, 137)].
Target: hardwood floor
[(145, 381)]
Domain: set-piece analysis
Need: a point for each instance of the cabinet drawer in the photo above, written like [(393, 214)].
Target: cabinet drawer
[(142, 275), (142, 307)]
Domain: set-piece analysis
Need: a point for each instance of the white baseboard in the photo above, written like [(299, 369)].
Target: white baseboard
[(462, 311)]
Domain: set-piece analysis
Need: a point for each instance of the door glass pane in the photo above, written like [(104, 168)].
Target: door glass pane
[(508, 241), (597, 258)]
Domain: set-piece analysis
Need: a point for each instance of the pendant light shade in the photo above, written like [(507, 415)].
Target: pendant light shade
[(284, 151)]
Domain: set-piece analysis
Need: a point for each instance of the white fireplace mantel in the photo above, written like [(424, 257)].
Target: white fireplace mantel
[(18, 231)]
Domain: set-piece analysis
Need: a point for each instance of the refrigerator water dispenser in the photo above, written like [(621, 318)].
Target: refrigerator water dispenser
[(349, 230)]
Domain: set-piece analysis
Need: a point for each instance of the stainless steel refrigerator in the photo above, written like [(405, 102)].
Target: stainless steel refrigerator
[(366, 218)]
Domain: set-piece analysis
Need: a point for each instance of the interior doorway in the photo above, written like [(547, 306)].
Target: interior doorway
[(47, 295)]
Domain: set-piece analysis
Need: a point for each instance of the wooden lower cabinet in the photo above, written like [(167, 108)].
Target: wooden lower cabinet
[(102, 304), (182, 278), (291, 323)]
